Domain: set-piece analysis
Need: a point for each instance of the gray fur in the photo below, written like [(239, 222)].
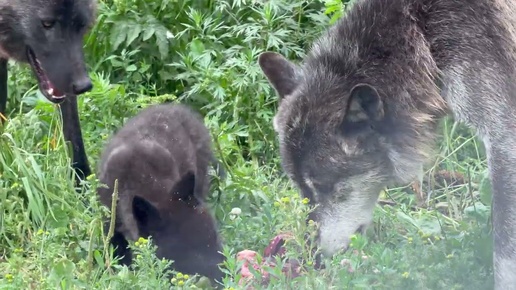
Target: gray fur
[(360, 112), (160, 158)]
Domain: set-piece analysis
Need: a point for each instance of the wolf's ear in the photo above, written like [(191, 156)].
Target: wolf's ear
[(145, 214), (364, 107), (280, 72), (364, 104), (184, 189)]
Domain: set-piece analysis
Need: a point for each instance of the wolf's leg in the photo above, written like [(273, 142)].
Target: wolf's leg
[(72, 133), (501, 154), (3, 86)]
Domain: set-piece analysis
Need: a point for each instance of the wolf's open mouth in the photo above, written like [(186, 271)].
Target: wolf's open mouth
[(45, 85)]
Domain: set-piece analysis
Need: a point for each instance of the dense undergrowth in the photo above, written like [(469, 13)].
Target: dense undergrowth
[(204, 53)]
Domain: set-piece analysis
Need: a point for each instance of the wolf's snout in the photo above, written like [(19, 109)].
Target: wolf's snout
[(82, 85)]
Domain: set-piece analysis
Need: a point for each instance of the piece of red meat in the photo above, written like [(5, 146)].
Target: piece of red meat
[(275, 249)]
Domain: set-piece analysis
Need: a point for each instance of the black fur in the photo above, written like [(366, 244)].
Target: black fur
[(3, 86), (48, 35), (72, 133), (161, 158)]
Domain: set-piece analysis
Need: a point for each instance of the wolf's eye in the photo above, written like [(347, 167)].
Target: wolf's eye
[(323, 187), (48, 23)]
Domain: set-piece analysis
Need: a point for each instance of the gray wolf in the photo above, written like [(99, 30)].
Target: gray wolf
[(48, 35), (359, 113), (161, 159)]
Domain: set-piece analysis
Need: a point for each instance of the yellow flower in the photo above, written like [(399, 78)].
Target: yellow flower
[(186, 277), (409, 239), (405, 275), (181, 283), (305, 200), (179, 275), (285, 199), (40, 232), (277, 204), (9, 277), (173, 280), (142, 241), (18, 250)]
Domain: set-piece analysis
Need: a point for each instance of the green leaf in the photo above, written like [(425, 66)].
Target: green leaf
[(148, 33), (429, 225), (133, 33), (485, 190), (59, 218), (162, 44), (197, 47), (98, 257), (63, 268), (118, 35), (131, 68)]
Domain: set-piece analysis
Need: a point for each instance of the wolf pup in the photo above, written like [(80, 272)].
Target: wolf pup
[(360, 112), (161, 159)]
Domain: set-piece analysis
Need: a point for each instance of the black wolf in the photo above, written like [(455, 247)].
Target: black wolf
[(360, 112), (48, 35), (161, 159)]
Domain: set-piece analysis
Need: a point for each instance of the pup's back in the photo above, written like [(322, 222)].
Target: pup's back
[(161, 158), (171, 139)]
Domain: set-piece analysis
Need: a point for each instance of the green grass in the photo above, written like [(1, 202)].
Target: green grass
[(204, 53)]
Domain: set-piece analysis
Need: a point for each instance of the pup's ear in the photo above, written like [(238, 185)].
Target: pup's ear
[(281, 73), (364, 104), (184, 189), (145, 214)]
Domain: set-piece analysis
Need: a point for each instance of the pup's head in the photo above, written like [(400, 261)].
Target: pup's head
[(48, 34), (182, 229), (340, 141)]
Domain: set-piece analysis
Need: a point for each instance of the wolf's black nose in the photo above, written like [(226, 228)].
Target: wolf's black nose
[(82, 85)]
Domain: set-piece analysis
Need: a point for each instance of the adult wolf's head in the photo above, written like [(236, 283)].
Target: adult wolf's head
[(48, 34), (345, 134)]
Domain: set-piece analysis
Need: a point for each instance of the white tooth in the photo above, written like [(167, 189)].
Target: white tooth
[(50, 91)]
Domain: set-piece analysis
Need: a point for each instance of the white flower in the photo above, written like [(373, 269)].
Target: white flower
[(234, 213)]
